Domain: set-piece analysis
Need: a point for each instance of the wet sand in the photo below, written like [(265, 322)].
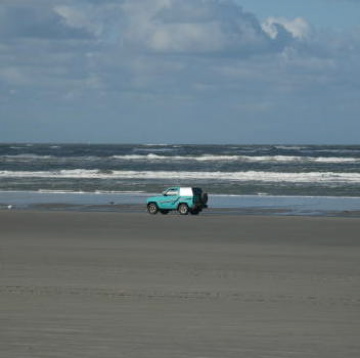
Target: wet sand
[(78, 284)]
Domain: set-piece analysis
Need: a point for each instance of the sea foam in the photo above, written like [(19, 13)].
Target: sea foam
[(256, 176)]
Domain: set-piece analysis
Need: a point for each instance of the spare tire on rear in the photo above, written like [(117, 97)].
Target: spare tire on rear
[(204, 198)]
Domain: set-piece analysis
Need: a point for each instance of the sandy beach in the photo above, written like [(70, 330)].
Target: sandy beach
[(76, 284)]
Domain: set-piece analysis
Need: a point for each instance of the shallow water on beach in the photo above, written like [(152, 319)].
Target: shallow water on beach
[(218, 204)]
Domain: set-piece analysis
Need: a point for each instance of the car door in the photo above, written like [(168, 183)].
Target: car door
[(170, 199)]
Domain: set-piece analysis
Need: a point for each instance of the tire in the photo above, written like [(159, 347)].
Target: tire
[(183, 209), (152, 208), (204, 198)]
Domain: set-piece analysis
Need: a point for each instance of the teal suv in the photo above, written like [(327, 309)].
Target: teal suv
[(184, 200)]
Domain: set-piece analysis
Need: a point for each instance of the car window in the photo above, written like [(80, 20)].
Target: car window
[(172, 192)]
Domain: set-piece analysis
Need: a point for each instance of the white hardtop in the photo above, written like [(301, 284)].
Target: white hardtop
[(186, 192)]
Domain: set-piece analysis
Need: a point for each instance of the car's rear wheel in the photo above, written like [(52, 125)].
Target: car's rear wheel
[(183, 209), (152, 208)]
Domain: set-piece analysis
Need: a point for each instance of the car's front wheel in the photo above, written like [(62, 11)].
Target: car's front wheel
[(183, 209), (152, 208)]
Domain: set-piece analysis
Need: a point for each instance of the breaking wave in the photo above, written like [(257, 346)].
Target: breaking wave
[(153, 157), (241, 176), (237, 158)]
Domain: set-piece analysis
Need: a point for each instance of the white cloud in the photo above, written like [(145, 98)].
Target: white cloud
[(192, 26), (167, 26), (96, 19), (299, 28), (34, 22), (159, 26)]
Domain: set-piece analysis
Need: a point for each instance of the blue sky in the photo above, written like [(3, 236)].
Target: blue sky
[(180, 71), (340, 14)]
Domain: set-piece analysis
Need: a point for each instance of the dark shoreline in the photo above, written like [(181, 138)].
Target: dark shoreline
[(218, 204)]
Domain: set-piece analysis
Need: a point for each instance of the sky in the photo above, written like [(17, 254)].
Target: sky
[(180, 71)]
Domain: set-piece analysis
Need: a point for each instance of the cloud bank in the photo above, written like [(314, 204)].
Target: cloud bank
[(200, 57), (186, 26)]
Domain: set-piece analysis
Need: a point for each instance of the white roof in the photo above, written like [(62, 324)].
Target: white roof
[(186, 192)]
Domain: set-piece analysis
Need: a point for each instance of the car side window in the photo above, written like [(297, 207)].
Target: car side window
[(172, 192)]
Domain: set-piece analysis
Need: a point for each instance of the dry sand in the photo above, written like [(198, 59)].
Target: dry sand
[(135, 285)]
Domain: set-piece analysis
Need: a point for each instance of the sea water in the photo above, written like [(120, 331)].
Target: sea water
[(233, 175)]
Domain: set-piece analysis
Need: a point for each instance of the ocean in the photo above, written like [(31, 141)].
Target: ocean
[(31, 173)]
